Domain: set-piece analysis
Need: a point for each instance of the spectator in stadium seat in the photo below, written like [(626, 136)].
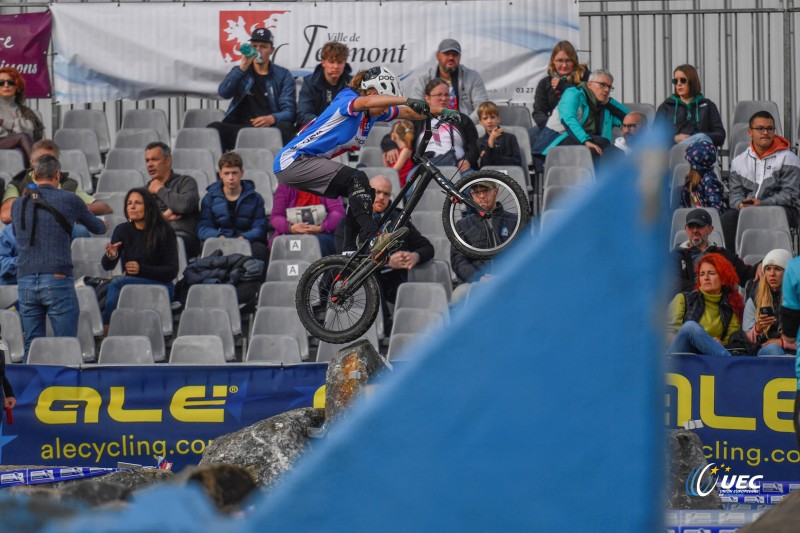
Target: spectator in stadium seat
[(691, 116), (233, 209), (262, 94), (484, 193), (464, 86), (147, 247), (323, 215), (764, 329), (767, 173), (633, 125), (688, 254), (416, 249), (496, 147), (19, 125), (563, 71), (454, 145), (25, 177), (319, 88), (43, 220), (702, 187), (176, 195), (702, 321), (585, 115)]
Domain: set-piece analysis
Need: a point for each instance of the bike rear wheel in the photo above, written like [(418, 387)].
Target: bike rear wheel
[(483, 238), (339, 321)]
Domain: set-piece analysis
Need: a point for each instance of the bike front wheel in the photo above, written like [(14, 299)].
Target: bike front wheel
[(483, 238), (330, 318)]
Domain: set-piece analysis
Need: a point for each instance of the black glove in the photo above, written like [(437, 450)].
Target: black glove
[(450, 115), (418, 106)]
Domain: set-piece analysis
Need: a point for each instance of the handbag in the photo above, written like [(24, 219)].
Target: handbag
[(310, 214)]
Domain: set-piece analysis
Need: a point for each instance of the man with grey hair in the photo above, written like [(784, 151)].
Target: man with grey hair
[(586, 115), (467, 90), (43, 221)]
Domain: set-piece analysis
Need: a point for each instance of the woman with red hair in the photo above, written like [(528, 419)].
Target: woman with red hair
[(19, 125), (702, 321)]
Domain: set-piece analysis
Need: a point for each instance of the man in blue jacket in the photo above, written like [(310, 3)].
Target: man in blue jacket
[(262, 94), (320, 87)]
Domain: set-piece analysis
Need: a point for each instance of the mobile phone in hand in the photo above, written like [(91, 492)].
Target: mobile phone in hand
[(766, 311)]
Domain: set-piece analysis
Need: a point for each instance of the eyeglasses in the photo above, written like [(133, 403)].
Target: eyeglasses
[(604, 85), (562, 61), (682, 81), (764, 129), (10, 83), (630, 126)]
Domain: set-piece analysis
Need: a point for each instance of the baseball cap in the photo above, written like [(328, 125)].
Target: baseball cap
[(488, 184), (699, 217), (449, 45), (261, 35)]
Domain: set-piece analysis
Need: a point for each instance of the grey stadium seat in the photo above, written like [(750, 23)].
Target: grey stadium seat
[(201, 118), (63, 351), (410, 320), (256, 159), (145, 322), (86, 255), (569, 156), (85, 336), (326, 350), (135, 139), (93, 119), (649, 110), (286, 269), (423, 295), (127, 158), (746, 108), (207, 138), (269, 138), (84, 140), (197, 321), (278, 349), (515, 115), (128, 350), (554, 193), (198, 350), (305, 247), (763, 241), (281, 321), (761, 217), (679, 173), (371, 156), (434, 270), (119, 180), (154, 119), (277, 294), (399, 341), (148, 297), (12, 161), (569, 176), (11, 327), (194, 158), (75, 163), (217, 296)]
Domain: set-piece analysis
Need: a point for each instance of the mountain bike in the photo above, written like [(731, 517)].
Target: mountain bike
[(338, 297)]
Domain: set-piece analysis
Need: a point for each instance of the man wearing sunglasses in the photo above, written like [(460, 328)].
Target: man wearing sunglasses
[(767, 173)]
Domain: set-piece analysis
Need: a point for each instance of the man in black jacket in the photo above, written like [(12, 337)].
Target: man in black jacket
[(320, 87), (686, 255)]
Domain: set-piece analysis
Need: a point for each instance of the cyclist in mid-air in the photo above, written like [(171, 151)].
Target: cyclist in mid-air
[(305, 163)]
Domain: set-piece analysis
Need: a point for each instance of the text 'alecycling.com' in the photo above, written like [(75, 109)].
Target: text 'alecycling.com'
[(125, 446), (722, 451)]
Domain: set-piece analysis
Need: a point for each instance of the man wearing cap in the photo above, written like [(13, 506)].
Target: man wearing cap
[(484, 193), (262, 94), (467, 90), (688, 254), (767, 173)]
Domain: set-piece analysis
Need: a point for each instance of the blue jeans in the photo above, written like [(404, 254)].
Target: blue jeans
[(115, 287), (692, 338), (771, 349), (42, 295)]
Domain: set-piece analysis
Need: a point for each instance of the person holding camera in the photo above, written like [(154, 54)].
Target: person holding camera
[(762, 312)]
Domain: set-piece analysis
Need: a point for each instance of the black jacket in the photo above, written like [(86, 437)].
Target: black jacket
[(503, 223), (315, 95), (546, 98), (698, 116), (684, 259), (505, 151)]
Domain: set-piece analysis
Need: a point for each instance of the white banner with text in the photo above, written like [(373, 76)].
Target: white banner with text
[(144, 50)]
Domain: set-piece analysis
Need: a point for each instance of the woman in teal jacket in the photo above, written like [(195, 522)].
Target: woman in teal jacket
[(587, 115)]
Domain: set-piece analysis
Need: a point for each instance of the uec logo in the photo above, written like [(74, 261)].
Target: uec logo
[(695, 486)]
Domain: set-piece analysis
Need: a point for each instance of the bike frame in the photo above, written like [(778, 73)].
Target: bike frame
[(422, 177)]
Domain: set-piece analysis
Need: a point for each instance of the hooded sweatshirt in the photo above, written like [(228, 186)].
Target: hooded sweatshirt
[(699, 115)]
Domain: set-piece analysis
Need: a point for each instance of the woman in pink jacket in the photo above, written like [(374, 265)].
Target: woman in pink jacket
[(323, 227)]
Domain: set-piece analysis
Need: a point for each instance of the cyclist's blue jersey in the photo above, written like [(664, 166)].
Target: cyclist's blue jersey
[(338, 129)]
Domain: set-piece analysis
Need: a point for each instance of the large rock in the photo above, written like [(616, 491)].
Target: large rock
[(686, 454), (783, 518), (267, 449), (226, 485), (348, 373)]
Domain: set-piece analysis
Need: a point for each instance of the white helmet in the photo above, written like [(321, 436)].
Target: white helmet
[(382, 80)]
